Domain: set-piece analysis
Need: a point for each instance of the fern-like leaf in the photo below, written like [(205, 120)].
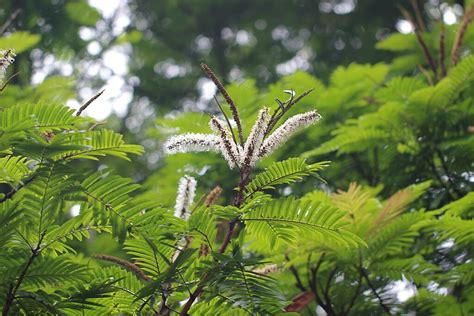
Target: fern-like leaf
[(283, 172), (93, 144), (288, 219), (13, 169)]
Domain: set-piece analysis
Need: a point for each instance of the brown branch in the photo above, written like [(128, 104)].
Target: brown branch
[(419, 19), (300, 301), (8, 81), (126, 264), (244, 178), (446, 170), (226, 119), (355, 295), (228, 99), (442, 45), (282, 109), (432, 165), (96, 124), (9, 194), (458, 40), (228, 236), (374, 290), (9, 21), (426, 74), (293, 270), (326, 292), (420, 40), (85, 105), (14, 288), (164, 310)]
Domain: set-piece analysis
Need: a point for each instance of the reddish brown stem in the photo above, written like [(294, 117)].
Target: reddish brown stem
[(14, 288), (421, 41), (244, 178), (460, 36), (126, 264), (228, 99), (441, 51), (419, 18)]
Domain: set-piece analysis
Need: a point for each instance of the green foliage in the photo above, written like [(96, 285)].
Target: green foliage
[(286, 234), (89, 16), (13, 169), (20, 41), (233, 283), (41, 143), (290, 220)]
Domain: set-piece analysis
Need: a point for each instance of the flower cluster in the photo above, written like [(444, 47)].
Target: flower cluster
[(7, 57), (256, 147), (192, 142), (255, 139), (185, 197), (286, 130), (270, 268), (229, 148)]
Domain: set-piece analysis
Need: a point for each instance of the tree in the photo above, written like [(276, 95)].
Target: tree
[(271, 226)]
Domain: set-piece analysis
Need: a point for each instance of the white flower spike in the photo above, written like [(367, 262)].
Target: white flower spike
[(229, 149), (286, 130), (258, 144), (192, 142), (7, 57), (255, 139), (185, 197)]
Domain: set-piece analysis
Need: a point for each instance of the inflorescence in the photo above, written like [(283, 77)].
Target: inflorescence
[(185, 197), (258, 144), (7, 57)]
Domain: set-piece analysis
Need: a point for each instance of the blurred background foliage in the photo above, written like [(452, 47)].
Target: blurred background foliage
[(383, 126), (146, 54)]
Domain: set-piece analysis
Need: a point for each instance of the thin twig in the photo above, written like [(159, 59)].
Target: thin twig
[(126, 264), (227, 120), (326, 291), (420, 40), (452, 195), (85, 105), (164, 310), (14, 288), (244, 179), (419, 18), (293, 270), (314, 284), (374, 290), (96, 124), (8, 81), (426, 74), (282, 109), (9, 21), (354, 296), (457, 45), (9, 194), (442, 50), (228, 99), (446, 170)]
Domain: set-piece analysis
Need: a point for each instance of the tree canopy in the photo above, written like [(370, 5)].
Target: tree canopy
[(236, 157)]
